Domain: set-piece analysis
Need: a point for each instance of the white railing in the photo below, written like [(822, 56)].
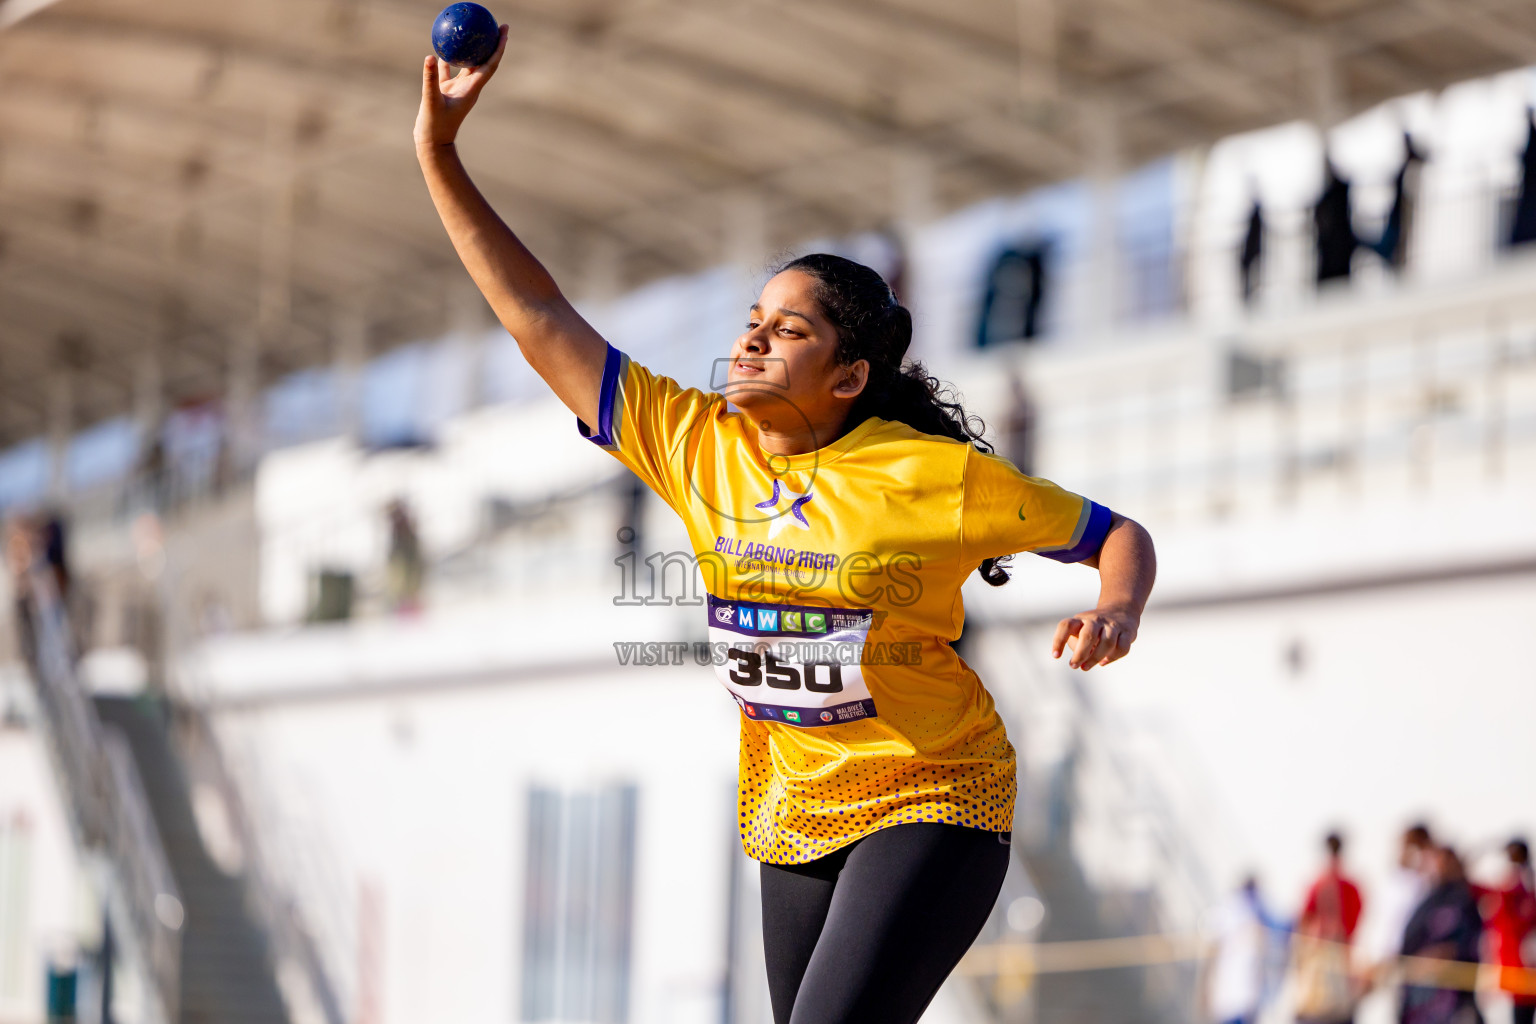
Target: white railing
[(109, 809), (1397, 392), (294, 885), (519, 550)]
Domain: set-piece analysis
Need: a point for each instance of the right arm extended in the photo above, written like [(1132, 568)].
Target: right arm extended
[(560, 346)]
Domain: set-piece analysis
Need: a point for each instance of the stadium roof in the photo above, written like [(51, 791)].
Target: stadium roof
[(218, 180)]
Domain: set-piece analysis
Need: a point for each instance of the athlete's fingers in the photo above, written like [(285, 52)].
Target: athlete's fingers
[(444, 73), (1105, 647), (476, 77), (429, 73), (1109, 650), (1103, 643), (1122, 647), (489, 67), (1087, 640), (1079, 642), (1064, 629)]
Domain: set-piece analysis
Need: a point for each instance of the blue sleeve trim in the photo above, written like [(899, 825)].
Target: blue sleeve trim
[(1088, 538), (607, 432)]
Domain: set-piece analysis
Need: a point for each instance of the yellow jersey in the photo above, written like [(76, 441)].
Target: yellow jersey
[(833, 584)]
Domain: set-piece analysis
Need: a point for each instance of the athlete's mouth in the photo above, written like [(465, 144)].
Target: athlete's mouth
[(743, 366)]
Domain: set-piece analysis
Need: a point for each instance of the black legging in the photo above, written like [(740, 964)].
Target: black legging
[(867, 935)]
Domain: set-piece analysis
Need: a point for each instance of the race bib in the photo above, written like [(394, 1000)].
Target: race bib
[(792, 664)]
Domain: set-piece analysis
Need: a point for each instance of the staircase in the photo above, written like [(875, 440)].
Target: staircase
[(1117, 995), (226, 966), (109, 815), (205, 947), (1088, 802)]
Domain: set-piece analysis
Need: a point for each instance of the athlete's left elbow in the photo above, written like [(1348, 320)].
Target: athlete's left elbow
[(1134, 532)]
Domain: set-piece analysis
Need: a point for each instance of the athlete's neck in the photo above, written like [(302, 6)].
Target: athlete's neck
[(800, 438)]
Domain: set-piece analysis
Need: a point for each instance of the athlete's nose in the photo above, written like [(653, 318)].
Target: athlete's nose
[(755, 343)]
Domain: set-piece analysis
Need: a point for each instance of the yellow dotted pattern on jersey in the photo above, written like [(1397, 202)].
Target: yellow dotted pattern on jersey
[(788, 815)]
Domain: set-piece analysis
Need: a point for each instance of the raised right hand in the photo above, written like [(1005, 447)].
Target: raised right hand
[(447, 98)]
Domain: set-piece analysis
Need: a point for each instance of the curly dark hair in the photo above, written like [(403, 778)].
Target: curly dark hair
[(871, 324)]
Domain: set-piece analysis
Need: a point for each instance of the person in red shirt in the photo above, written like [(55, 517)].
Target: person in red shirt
[(1326, 988), (1509, 916), (1333, 906)]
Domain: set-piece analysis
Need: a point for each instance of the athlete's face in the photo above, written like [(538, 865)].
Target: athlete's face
[(784, 369)]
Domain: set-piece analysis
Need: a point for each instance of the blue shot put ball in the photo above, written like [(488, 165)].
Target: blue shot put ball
[(465, 35)]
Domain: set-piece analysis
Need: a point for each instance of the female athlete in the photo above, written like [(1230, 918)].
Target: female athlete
[(835, 512)]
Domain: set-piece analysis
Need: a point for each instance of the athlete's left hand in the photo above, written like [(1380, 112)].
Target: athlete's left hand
[(1097, 637)]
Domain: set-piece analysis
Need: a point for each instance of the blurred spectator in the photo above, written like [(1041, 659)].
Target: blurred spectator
[(1392, 246), (1326, 989), (633, 513), (20, 552), (1403, 891), (1251, 261), (151, 472), (55, 552), (404, 567), (1522, 228), (1446, 926), (1016, 287), (1237, 978), (1334, 220), (1019, 427), (55, 543), (1333, 906), (1510, 913)]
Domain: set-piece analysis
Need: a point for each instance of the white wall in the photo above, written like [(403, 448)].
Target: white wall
[(421, 794), (54, 910)]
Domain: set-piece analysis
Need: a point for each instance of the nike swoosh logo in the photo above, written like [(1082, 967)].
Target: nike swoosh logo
[(1021, 513)]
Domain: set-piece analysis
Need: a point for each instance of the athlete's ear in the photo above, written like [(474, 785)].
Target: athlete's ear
[(851, 379)]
